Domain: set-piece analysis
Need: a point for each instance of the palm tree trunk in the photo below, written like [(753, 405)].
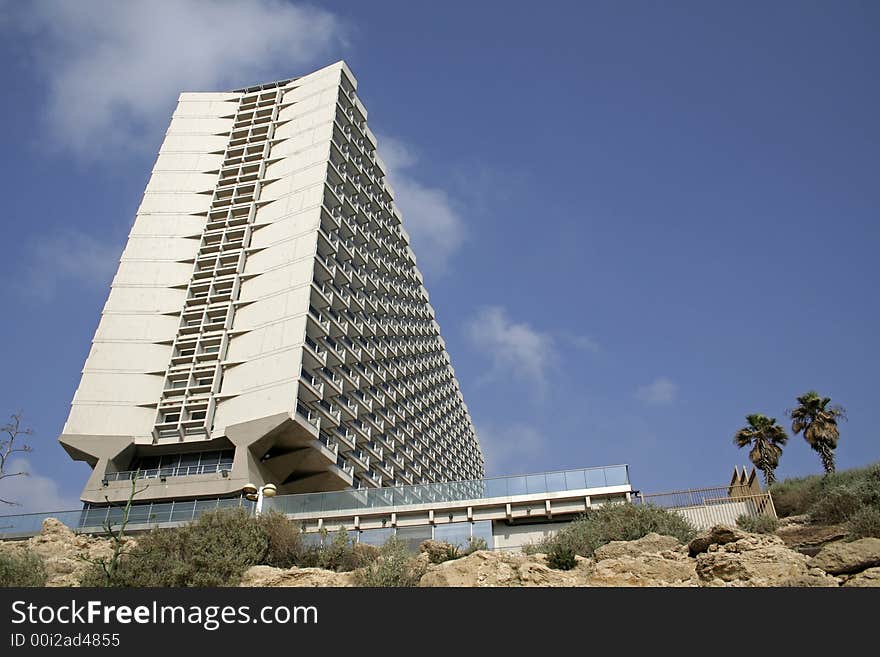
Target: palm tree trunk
[(764, 467), (826, 453)]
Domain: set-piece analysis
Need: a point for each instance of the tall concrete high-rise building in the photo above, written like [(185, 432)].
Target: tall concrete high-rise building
[(268, 322)]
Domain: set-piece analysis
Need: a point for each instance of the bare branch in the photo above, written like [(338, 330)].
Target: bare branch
[(9, 447)]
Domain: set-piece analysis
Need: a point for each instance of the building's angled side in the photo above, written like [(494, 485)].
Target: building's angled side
[(267, 322)]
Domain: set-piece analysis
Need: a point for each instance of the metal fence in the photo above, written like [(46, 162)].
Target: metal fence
[(706, 507)]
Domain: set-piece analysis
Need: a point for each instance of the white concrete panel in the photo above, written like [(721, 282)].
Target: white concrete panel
[(187, 125), (109, 420), (272, 309), (167, 224), (301, 179), (193, 144), (159, 274), (180, 181), (187, 162), (314, 154), (301, 270), (265, 402), (144, 299), (128, 356), (160, 248), (137, 327), (184, 202), (302, 139), (268, 339), (284, 229)]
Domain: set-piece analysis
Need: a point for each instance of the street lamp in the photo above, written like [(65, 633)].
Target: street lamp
[(255, 494)]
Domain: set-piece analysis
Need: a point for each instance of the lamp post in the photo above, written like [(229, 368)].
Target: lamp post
[(255, 494)]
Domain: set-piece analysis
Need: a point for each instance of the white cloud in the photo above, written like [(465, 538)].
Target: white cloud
[(70, 256), (435, 228), (511, 449), (114, 69), (34, 492), (585, 343), (659, 392), (514, 348)]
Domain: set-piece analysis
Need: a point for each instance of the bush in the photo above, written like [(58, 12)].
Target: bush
[(836, 505), (395, 566), (21, 568), (807, 495), (340, 554), (474, 545), (865, 523), (215, 550), (614, 522), (757, 524), (561, 556)]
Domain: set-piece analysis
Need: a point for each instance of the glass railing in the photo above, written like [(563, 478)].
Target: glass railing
[(170, 471), (92, 520), (368, 498)]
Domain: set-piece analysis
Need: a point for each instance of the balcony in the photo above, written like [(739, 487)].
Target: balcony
[(313, 355), (310, 387), (335, 353), (329, 416), (332, 381), (306, 413), (359, 460), (321, 295), (347, 407), (345, 437)]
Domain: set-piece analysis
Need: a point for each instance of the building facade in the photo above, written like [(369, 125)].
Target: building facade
[(268, 322)]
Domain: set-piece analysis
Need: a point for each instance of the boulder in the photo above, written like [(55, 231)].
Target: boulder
[(651, 544), (754, 560), (290, 577), (846, 558), (718, 535), (65, 553), (503, 569), (669, 568), (869, 577)]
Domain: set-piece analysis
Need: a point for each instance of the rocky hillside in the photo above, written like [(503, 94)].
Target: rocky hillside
[(723, 556)]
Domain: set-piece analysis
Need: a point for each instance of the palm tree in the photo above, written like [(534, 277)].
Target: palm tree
[(766, 438), (818, 421)]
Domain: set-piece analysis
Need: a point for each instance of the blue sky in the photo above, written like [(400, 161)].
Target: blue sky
[(637, 223)]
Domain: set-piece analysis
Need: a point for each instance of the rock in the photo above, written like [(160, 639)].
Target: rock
[(64, 553), (650, 544), (809, 538), (718, 535), (847, 558), (303, 577), (752, 560), (813, 578), (869, 577), (489, 569), (670, 568)]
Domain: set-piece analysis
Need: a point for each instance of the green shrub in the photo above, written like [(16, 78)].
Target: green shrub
[(285, 546), (339, 553), (836, 505), (614, 522), (807, 495), (561, 556), (758, 524), (395, 566), (215, 550), (21, 568), (864, 523), (474, 545)]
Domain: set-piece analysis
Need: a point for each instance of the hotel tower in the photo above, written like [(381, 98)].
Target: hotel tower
[(267, 322)]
